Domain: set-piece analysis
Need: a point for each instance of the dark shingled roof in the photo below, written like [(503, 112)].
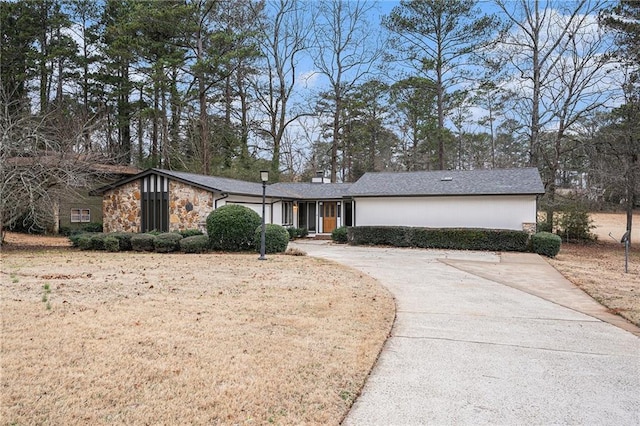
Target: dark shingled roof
[(471, 182), (219, 184), (449, 182)]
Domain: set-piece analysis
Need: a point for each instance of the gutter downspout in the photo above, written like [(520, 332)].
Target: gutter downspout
[(215, 202)]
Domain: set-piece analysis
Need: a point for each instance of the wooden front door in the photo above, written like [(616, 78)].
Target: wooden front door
[(329, 217)]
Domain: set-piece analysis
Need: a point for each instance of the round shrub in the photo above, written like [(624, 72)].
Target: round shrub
[(169, 241), (194, 244), (339, 235), (97, 241), (546, 243), (232, 227), (111, 243), (143, 242), (293, 232), (276, 238), (124, 240)]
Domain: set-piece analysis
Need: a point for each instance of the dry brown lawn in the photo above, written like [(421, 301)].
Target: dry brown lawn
[(598, 268), (129, 338)]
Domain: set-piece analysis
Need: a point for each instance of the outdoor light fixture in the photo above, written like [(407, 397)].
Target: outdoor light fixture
[(264, 177)]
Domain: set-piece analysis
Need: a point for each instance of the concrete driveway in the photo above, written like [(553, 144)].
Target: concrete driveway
[(486, 339)]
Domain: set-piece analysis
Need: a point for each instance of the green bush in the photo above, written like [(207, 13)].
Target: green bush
[(397, 236), (75, 238), (276, 238), (339, 235), (190, 232), (92, 227), (167, 242), (297, 232), (445, 238), (232, 227), (143, 242), (97, 241), (544, 227), (124, 240), (194, 244), (84, 242), (111, 243), (575, 224), (546, 243), (293, 232)]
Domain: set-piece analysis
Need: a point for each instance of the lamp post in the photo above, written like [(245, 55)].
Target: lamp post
[(264, 177)]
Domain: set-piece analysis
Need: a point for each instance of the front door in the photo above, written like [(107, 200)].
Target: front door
[(329, 215)]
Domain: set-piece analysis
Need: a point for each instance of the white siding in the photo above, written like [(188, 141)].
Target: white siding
[(490, 212), (254, 203)]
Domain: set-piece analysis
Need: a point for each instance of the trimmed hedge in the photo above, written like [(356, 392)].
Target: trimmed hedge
[(167, 242), (445, 238), (190, 232), (111, 243), (84, 242), (297, 232), (76, 237), (124, 240), (339, 235), (232, 228), (97, 241), (194, 244), (276, 238), (546, 243), (143, 242)]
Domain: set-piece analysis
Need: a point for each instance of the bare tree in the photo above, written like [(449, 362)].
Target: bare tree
[(535, 45), (555, 51), (348, 48), (38, 166), (283, 37)]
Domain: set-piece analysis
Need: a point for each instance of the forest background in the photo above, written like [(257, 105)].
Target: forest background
[(229, 88)]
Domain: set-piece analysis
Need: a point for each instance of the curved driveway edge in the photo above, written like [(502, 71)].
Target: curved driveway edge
[(468, 349)]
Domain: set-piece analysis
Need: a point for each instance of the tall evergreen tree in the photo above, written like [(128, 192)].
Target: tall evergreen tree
[(437, 38)]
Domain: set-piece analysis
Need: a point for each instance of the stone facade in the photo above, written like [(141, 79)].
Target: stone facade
[(530, 228), (121, 208), (188, 207)]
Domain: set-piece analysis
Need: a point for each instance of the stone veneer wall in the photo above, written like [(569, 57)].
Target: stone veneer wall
[(529, 227), (121, 208), (188, 207)]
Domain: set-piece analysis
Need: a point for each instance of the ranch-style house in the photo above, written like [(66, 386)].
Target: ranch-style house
[(166, 200)]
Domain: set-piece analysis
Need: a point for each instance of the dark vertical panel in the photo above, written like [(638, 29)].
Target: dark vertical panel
[(348, 213), (302, 215), (312, 217)]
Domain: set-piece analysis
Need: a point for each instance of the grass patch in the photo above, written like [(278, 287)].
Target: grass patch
[(598, 269), (201, 339)]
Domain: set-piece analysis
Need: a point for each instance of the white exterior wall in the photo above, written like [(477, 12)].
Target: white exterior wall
[(273, 208), (489, 212), (254, 203)]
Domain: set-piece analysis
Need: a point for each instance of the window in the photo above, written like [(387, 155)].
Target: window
[(80, 215), (287, 213)]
